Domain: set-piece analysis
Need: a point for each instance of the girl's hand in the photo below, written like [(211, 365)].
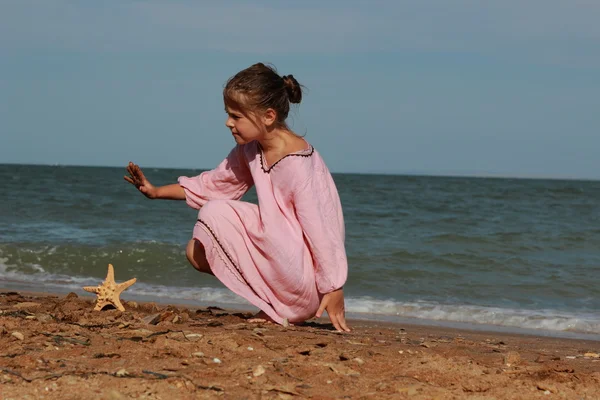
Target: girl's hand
[(333, 303), (136, 178)]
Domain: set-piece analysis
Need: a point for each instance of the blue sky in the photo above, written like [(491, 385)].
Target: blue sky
[(503, 88)]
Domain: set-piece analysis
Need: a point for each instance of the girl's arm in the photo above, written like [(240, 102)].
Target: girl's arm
[(170, 192), (230, 180), (319, 212), (136, 178)]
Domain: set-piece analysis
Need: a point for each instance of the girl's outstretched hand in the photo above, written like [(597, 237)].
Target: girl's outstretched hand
[(333, 303), (136, 178)]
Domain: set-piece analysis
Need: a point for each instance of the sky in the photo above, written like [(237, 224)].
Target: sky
[(436, 87)]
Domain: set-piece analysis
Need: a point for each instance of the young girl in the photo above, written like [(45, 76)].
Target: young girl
[(286, 255)]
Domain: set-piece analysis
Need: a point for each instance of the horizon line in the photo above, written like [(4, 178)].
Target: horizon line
[(483, 175)]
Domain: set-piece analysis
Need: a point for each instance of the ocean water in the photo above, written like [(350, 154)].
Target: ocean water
[(507, 253)]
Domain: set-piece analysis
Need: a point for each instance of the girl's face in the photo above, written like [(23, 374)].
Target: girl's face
[(247, 126), (244, 126)]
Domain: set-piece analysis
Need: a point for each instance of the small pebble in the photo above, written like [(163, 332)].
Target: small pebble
[(193, 337), (216, 361), (198, 354), (258, 370), (18, 335), (359, 361), (250, 348)]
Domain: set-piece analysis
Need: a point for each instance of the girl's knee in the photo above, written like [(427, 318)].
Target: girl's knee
[(197, 257), (189, 251)]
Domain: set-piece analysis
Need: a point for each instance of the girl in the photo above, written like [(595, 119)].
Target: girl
[(286, 255)]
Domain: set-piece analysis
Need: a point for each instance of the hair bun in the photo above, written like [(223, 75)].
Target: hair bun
[(293, 89)]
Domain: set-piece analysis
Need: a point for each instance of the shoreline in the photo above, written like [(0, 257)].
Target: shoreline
[(352, 316), (53, 346)]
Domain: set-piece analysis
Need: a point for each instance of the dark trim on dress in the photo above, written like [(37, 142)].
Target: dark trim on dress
[(244, 280), (268, 170)]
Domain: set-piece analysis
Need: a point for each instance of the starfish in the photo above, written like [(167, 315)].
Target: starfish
[(108, 293)]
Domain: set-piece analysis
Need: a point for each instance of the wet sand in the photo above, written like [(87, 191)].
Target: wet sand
[(57, 347)]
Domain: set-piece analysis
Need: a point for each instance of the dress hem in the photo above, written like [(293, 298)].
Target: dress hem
[(228, 273)]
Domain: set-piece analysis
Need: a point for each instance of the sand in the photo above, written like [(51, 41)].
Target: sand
[(57, 347)]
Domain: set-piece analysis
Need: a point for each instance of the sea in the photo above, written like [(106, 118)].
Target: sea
[(515, 255)]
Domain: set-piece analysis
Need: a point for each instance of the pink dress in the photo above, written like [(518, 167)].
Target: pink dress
[(283, 254)]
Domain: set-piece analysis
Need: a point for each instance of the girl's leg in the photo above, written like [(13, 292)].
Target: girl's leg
[(197, 257)]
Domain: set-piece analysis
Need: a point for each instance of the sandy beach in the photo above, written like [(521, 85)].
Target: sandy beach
[(57, 347)]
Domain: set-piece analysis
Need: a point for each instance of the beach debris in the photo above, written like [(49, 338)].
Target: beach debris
[(250, 348), (26, 305), (358, 360), (176, 335), (356, 343), (283, 389), (592, 355), (512, 357), (109, 291), (216, 360), (193, 337), (106, 355), (18, 335), (411, 390), (258, 370), (540, 359), (59, 339), (342, 370), (198, 354), (546, 387), (121, 373), (155, 374), (152, 319)]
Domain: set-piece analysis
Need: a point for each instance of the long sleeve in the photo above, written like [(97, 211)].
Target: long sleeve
[(230, 180), (319, 211)]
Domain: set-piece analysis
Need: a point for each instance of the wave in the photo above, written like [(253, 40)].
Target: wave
[(539, 319)]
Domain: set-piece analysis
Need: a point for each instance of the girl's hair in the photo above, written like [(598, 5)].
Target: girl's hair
[(260, 87)]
